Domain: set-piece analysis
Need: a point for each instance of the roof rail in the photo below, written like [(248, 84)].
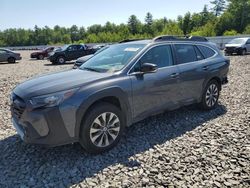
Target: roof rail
[(129, 40), (179, 38)]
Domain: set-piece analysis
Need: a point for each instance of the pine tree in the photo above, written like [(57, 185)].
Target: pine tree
[(219, 7)]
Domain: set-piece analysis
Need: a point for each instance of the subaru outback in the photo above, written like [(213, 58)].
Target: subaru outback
[(117, 87)]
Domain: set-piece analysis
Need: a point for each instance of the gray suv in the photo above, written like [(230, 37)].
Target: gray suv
[(117, 87)]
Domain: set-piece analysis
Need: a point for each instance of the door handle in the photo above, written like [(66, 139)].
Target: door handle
[(175, 75), (205, 68)]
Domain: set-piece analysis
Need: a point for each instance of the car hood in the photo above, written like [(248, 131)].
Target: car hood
[(84, 58), (55, 82), (34, 53), (233, 45)]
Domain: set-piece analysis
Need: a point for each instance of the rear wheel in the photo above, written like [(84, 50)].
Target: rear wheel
[(210, 95), (61, 60), (102, 128), (11, 60), (41, 57)]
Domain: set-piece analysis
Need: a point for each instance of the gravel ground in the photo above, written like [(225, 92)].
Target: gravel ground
[(182, 148)]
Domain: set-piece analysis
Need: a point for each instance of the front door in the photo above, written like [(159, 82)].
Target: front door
[(154, 92)]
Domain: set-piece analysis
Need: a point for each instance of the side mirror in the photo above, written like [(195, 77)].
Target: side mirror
[(148, 68)]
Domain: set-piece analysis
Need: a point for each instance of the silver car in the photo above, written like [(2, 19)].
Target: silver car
[(9, 56), (240, 46)]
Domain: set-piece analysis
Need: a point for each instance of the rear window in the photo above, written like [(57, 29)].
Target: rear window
[(207, 52), (185, 53)]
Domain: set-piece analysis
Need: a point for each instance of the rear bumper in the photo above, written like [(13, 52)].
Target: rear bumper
[(224, 81)]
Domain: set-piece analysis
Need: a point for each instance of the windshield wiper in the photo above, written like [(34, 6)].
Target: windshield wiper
[(90, 69)]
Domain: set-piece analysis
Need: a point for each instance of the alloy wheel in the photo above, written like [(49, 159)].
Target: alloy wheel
[(61, 60), (105, 129), (212, 95)]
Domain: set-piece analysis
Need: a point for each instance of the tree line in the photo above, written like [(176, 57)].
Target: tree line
[(226, 17)]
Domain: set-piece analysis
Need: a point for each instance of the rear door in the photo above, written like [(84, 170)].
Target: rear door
[(81, 51), (193, 71), (154, 92)]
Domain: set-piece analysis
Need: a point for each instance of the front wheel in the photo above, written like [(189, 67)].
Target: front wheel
[(210, 95), (102, 128), (40, 57), (61, 60), (243, 52)]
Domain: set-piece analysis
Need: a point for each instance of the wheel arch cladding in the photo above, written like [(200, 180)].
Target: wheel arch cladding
[(114, 96)]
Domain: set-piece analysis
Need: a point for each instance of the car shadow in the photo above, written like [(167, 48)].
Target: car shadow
[(30, 165), (67, 63), (4, 63)]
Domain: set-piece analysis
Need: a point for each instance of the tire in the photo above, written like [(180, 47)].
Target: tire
[(95, 135), (40, 57), (243, 52), (60, 60), (11, 60), (210, 95)]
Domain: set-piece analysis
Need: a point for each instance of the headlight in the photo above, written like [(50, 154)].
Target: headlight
[(51, 100)]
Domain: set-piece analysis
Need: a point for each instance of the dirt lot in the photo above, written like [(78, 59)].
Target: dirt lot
[(183, 148)]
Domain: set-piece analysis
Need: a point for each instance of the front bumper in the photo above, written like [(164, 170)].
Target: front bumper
[(33, 55), (231, 50), (49, 126)]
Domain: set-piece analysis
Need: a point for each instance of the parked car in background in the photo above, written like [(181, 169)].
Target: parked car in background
[(117, 87), (70, 52), (42, 54), (239, 46), (9, 56), (83, 59)]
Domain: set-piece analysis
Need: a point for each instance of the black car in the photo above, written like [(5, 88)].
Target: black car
[(117, 87), (70, 52), (83, 59)]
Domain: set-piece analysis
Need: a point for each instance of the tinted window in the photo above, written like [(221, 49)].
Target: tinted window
[(198, 54), (207, 52), (185, 53), (160, 55), (80, 47), (248, 42), (72, 48), (2, 51)]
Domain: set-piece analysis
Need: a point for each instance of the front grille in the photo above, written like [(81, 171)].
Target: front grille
[(18, 106), (230, 48)]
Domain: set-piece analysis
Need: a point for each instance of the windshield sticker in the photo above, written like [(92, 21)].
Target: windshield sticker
[(131, 49)]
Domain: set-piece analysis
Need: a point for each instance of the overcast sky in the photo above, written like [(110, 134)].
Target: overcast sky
[(28, 13)]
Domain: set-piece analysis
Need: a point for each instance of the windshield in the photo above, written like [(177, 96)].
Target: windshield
[(112, 59), (64, 47), (237, 41)]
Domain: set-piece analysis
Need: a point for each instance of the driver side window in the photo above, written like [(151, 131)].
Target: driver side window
[(159, 55), (72, 48)]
